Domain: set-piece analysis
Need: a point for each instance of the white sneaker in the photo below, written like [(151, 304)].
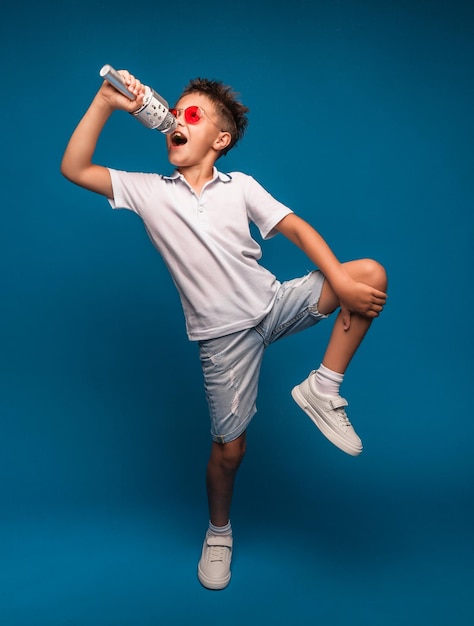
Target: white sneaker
[(214, 566), (327, 412)]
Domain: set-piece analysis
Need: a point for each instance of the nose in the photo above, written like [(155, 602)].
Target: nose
[(180, 116)]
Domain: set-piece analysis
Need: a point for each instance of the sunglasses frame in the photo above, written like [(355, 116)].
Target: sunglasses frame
[(188, 116)]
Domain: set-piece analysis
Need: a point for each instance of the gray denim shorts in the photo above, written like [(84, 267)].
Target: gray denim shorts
[(231, 364)]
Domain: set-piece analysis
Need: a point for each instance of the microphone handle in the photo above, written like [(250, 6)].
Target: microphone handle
[(115, 79)]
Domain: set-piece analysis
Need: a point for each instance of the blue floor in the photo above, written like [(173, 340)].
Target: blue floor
[(353, 558)]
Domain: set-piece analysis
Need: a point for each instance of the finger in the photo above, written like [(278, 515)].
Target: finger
[(379, 294), (371, 314), (136, 86), (132, 83), (346, 318), (137, 104), (377, 302), (127, 77)]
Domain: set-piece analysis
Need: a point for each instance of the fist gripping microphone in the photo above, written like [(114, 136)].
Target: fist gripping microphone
[(154, 113)]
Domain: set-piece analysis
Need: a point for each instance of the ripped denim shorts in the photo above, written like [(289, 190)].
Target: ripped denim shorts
[(231, 364)]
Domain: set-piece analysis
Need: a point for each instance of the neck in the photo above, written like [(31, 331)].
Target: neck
[(197, 175)]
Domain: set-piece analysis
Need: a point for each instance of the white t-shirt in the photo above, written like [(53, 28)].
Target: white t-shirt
[(206, 244)]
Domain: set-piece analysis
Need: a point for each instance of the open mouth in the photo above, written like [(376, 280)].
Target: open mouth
[(178, 139)]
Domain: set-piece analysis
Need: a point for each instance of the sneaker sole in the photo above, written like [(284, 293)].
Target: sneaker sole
[(211, 583), (320, 422)]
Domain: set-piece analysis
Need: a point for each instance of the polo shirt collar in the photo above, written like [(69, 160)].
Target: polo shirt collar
[(225, 178)]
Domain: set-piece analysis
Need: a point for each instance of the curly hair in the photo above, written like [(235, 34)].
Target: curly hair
[(231, 112)]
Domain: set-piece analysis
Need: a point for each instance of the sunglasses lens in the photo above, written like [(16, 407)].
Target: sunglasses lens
[(192, 115)]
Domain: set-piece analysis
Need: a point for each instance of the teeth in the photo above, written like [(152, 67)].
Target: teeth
[(178, 139)]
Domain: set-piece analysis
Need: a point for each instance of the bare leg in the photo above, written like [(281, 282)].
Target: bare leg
[(222, 467), (344, 343)]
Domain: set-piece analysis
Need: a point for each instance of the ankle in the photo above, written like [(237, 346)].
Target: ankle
[(220, 530), (327, 381)]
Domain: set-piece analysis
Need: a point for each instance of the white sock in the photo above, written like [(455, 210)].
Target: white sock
[(220, 530), (327, 382)]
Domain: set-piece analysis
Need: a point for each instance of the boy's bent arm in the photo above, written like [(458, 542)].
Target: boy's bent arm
[(354, 296), (77, 165)]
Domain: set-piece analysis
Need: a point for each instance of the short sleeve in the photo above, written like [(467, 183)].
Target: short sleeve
[(262, 208)]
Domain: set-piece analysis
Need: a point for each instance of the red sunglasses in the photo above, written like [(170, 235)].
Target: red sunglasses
[(192, 114)]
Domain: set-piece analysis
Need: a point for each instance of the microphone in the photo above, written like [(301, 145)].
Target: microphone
[(154, 113)]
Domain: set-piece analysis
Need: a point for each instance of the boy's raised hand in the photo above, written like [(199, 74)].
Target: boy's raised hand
[(117, 100), (77, 164)]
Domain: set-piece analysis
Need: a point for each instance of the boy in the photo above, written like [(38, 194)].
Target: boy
[(198, 219)]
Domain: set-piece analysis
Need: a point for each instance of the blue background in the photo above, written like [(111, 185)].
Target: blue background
[(362, 121)]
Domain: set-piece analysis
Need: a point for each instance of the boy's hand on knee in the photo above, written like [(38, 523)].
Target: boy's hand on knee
[(356, 297)]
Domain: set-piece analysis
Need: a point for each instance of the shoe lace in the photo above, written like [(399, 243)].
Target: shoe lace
[(217, 553), (342, 417)]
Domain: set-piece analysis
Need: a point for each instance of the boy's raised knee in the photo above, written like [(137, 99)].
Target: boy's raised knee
[(380, 276), (375, 274)]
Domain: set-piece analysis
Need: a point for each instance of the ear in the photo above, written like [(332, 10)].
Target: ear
[(222, 141)]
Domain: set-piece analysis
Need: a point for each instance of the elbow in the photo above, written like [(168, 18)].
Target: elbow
[(63, 168), (69, 171)]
